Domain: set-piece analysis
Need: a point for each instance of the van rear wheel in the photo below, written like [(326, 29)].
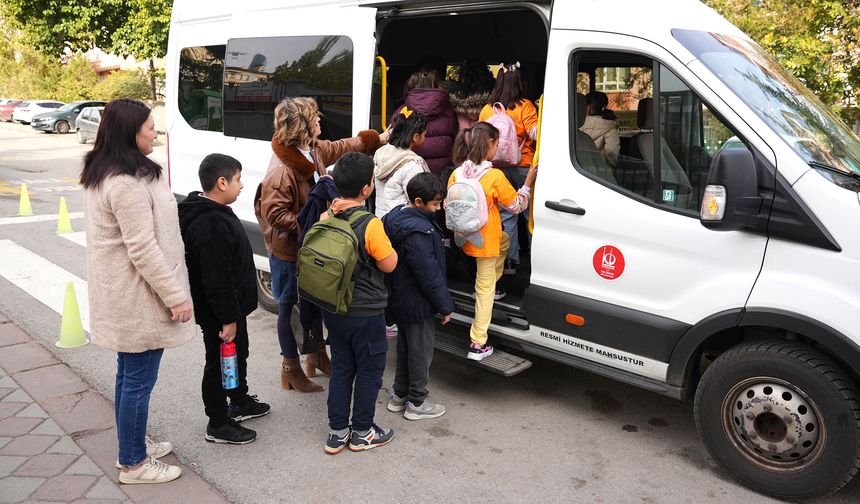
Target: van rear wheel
[(264, 292), (782, 417)]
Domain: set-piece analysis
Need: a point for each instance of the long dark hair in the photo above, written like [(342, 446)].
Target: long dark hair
[(599, 101), (510, 87), (474, 78), (473, 143), (404, 128), (115, 151), (423, 78)]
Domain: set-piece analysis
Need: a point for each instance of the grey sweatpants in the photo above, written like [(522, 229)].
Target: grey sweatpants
[(414, 355)]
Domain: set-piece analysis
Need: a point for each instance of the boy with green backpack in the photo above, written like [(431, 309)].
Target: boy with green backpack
[(341, 268)]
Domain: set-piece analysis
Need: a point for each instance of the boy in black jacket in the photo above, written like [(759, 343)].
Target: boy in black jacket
[(417, 291), (224, 290)]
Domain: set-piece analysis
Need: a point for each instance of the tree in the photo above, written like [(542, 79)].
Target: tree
[(122, 85), (816, 40), (77, 80), (24, 72)]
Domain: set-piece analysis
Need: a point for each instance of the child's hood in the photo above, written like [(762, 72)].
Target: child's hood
[(196, 205), (403, 220)]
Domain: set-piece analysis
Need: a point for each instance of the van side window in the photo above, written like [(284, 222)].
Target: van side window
[(260, 72), (616, 142), (201, 77)]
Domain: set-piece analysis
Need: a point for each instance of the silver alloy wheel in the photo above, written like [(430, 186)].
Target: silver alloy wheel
[(62, 127), (774, 423)]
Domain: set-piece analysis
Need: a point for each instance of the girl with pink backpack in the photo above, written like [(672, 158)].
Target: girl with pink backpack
[(517, 120), (471, 206)]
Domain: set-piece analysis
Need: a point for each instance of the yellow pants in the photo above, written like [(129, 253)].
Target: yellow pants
[(490, 270)]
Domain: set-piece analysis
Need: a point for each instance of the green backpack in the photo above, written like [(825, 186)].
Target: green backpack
[(328, 259)]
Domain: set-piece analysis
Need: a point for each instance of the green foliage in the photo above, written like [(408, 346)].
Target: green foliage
[(123, 85), (817, 40), (77, 81), (24, 72)]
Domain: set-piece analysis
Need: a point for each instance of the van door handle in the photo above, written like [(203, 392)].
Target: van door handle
[(555, 205)]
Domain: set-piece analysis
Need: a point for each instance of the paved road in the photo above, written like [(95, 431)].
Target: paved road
[(553, 432)]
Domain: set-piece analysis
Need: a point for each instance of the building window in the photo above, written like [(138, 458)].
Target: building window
[(201, 78), (612, 79)]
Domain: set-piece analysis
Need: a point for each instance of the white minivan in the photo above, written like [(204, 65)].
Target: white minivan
[(725, 270)]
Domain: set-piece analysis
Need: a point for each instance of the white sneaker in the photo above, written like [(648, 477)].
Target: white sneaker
[(151, 471), (426, 410), (154, 448)]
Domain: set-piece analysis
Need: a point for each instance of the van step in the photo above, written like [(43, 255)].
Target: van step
[(500, 362)]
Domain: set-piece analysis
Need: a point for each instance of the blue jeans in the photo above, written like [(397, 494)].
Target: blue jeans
[(358, 352), (516, 175), (136, 374)]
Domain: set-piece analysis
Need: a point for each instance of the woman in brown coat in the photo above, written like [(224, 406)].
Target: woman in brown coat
[(140, 301), (298, 160)]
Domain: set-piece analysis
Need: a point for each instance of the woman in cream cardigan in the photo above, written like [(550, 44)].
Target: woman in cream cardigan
[(138, 289)]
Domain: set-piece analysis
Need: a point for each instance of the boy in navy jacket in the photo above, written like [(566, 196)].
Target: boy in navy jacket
[(224, 289), (418, 290)]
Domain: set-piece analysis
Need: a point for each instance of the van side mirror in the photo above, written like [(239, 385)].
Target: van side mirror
[(731, 196)]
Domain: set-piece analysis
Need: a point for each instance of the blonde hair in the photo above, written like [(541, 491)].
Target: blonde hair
[(293, 119)]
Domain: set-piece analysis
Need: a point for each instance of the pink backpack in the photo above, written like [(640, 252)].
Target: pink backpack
[(508, 152), (466, 205)]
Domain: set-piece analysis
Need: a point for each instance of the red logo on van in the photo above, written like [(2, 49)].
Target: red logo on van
[(608, 262)]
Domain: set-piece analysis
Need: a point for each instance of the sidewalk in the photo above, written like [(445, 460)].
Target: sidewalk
[(58, 439)]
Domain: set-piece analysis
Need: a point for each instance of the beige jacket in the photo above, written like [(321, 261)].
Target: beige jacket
[(135, 265), (604, 132)]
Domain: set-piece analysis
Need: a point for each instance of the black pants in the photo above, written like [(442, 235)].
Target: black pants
[(358, 351), (214, 395), (414, 355)]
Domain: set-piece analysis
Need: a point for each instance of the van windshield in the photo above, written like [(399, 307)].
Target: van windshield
[(778, 98)]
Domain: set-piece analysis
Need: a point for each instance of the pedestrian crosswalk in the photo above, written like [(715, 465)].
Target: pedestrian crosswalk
[(41, 278)]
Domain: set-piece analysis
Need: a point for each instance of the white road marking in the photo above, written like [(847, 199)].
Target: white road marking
[(42, 279), (79, 237), (37, 218)]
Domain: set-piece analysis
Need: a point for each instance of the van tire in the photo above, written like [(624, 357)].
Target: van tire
[(740, 405), (62, 127), (264, 292)]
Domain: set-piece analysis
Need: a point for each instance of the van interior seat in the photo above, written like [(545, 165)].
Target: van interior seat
[(672, 174), (587, 153)]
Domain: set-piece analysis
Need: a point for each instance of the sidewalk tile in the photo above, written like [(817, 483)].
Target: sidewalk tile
[(98, 501), (8, 382), (105, 489), (28, 445), (85, 466), (14, 426), (48, 428), (5, 390), (65, 488), (101, 447), (10, 334), (18, 396), (9, 463), (4, 440), (8, 409), (81, 412), (14, 489), (65, 445), (32, 411), (3, 319), (24, 356), (45, 465), (49, 382)]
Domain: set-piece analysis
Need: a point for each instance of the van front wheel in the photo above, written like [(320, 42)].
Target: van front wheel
[(264, 292), (782, 417)]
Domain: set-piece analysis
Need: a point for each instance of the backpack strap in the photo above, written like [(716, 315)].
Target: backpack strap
[(358, 219), (499, 107)]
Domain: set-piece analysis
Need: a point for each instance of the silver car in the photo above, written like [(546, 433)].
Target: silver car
[(87, 123)]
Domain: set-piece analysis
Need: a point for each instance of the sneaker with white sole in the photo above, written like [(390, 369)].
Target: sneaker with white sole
[(479, 352), (252, 408), (336, 443), (372, 438), (154, 448), (230, 432), (497, 294), (424, 411), (396, 404), (151, 471), (391, 331)]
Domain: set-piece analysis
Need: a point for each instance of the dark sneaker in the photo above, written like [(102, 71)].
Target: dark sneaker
[(499, 294), (251, 409), (335, 443), (372, 438), (396, 404), (479, 352), (424, 411), (510, 268), (230, 433)]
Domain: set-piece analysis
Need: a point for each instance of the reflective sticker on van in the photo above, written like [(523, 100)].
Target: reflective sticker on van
[(608, 262), (669, 195)]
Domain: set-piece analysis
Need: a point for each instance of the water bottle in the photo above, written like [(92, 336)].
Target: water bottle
[(229, 366)]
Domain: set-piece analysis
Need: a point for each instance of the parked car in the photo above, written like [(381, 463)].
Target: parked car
[(24, 112), (63, 119), (88, 123), (7, 108), (4, 101)]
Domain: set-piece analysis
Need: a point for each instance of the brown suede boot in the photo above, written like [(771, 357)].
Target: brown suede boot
[(292, 376), (318, 360)]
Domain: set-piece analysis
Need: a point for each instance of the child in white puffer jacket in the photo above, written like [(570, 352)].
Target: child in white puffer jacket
[(396, 163)]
